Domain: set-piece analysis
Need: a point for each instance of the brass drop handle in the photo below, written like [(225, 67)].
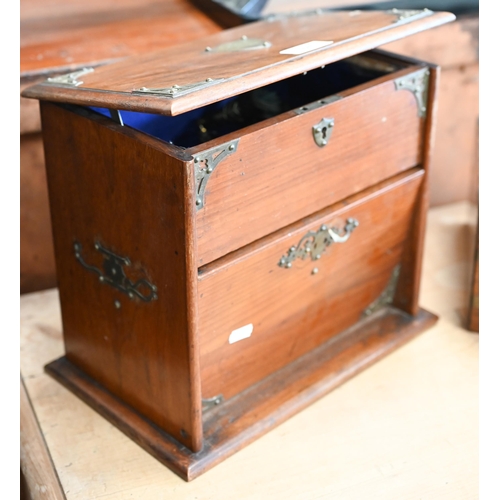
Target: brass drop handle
[(314, 243), (322, 131)]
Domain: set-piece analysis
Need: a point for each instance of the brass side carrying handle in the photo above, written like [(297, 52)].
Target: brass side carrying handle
[(322, 131), (314, 243), (113, 274)]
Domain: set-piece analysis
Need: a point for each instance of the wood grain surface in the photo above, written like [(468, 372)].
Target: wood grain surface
[(278, 174), (60, 35), (246, 417), (113, 333), (238, 422), (63, 35), (112, 85), (135, 197), (407, 427), (126, 329), (57, 36), (293, 310), (95, 177)]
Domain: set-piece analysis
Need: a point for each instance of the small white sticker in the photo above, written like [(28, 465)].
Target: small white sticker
[(306, 47), (241, 333)]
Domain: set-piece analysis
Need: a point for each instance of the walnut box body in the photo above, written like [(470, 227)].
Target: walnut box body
[(225, 266)]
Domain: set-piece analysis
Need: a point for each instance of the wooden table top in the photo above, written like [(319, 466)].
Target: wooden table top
[(406, 428)]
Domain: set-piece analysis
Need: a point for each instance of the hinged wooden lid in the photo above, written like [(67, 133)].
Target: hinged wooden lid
[(234, 61)]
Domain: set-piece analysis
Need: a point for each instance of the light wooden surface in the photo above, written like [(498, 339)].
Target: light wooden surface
[(36, 465), (406, 428)]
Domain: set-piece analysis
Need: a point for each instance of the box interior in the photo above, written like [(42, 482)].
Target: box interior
[(221, 118)]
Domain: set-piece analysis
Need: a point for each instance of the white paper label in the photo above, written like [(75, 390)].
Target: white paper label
[(241, 333), (306, 47)]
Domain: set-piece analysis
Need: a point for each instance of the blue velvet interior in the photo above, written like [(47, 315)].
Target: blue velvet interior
[(166, 128), (184, 130)]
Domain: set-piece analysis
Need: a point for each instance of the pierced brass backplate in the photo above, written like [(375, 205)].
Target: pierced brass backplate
[(314, 243), (114, 275), (322, 131)]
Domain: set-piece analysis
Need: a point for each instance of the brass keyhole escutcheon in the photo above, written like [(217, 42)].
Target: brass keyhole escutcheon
[(322, 131)]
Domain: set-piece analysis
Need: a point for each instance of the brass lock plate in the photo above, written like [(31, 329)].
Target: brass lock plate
[(322, 131)]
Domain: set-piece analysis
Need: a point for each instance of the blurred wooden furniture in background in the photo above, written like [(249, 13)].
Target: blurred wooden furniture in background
[(454, 47), (58, 36), (473, 318)]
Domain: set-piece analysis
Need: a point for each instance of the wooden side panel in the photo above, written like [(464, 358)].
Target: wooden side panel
[(278, 174), (108, 184), (294, 310), (408, 290)]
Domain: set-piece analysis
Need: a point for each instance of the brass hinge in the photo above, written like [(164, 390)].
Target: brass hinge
[(241, 44), (178, 90), (408, 15), (317, 104)]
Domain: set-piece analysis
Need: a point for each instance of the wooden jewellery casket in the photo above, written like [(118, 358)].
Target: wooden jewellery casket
[(238, 224)]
